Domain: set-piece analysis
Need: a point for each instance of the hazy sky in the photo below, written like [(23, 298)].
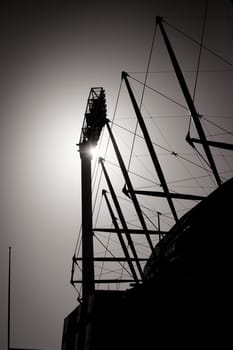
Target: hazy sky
[(50, 58)]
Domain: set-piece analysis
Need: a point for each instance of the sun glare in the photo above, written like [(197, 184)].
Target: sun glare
[(93, 151)]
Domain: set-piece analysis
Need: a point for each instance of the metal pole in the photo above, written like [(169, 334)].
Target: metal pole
[(93, 123), (88, 283), (9, 301), (87, 234)]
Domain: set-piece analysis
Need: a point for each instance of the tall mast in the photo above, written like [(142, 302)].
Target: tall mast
[(189, 101), (150, 147), (94, 120)]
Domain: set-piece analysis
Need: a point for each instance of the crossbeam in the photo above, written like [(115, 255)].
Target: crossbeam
[(133, 231)]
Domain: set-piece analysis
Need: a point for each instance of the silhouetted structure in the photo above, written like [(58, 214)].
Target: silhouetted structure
[(183, 296), (186, 299)]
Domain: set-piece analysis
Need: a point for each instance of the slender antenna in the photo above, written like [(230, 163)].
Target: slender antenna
[(9, 301)]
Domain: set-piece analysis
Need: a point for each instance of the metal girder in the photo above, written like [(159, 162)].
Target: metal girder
[(113, 259), (217, 144), (132, 231), (173, 195)]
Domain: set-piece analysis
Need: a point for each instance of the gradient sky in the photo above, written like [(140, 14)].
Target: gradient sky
[(50, 58)]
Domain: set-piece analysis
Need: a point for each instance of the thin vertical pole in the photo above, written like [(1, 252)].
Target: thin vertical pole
[(87, 233), (88, 275), (9, 301)]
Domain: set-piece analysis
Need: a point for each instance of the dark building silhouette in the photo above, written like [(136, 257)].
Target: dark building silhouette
[(186, 300)]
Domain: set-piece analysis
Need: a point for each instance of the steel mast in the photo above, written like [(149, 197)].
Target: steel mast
[(94, 120), (192, 109)]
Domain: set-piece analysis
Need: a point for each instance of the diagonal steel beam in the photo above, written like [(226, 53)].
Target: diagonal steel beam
[(130, 186), (150, 147), (189, 101), (122, 242), (121, 216)]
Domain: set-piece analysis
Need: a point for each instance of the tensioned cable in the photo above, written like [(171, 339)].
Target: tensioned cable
[(196, 178), (105, 253), (180, 157), (111, 253), (131, 132), (143, 91), (197, 42), (226, 132), (201, 160), (220, 151), (162, 147), (98, 212), (143, 206), (175, 154), (218, 134), (176, 116), (153, 211), (187, 179), (103, 235), (200, 155), (160, 93), (114, 114), (200, 51), (157, 184), (133, 173), (108, 271), (199, 59), (218, 126), (168, 71)]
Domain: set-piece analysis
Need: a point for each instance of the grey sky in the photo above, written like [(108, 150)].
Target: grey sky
[(50, 58)]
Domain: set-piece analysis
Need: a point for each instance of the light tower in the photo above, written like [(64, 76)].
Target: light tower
[(94, 120)]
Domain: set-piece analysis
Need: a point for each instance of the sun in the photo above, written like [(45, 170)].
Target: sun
[(93, 151)]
